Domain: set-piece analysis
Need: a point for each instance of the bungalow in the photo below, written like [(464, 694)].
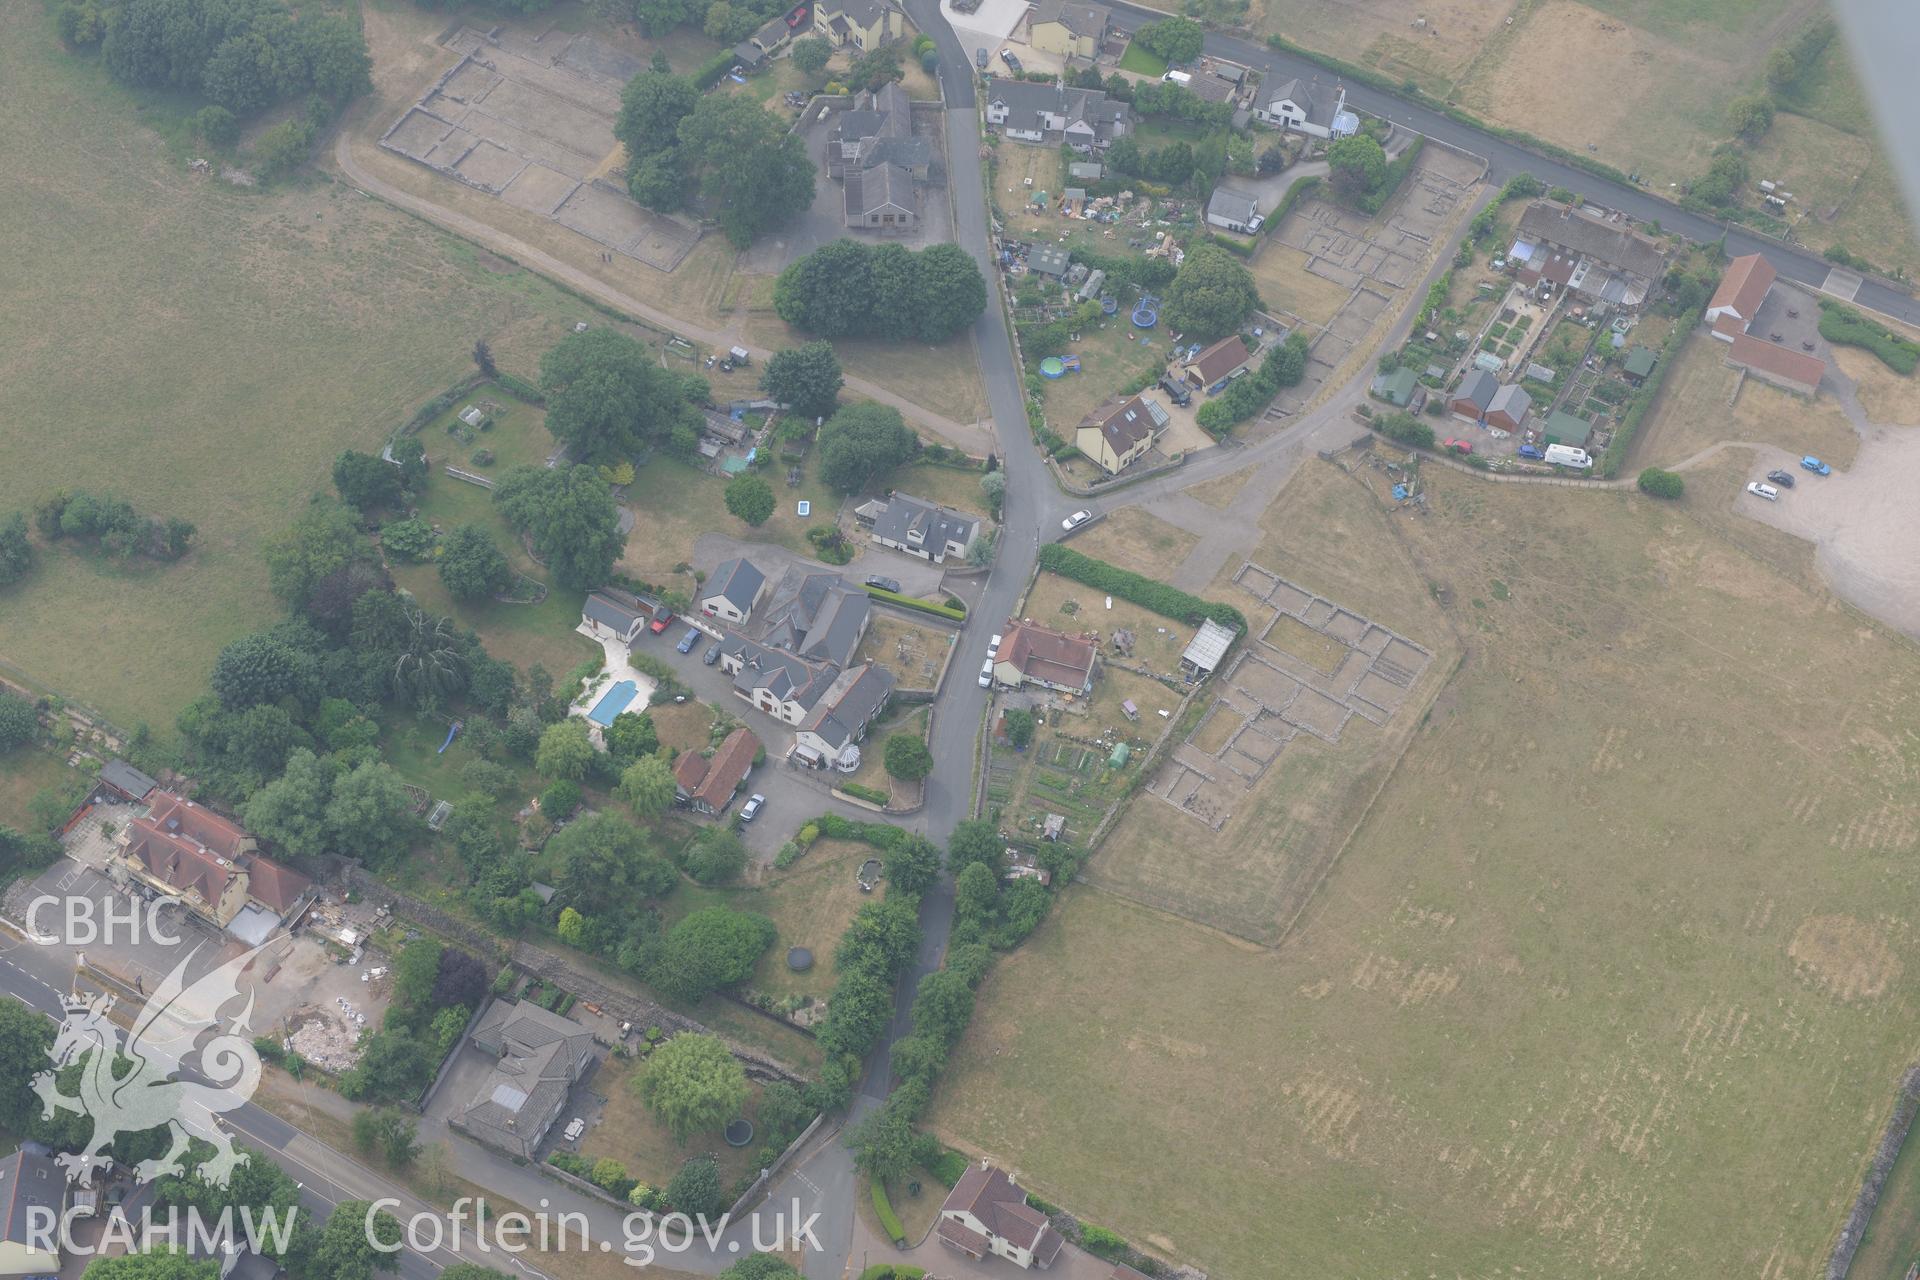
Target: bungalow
[(210, 865), (1772, 363), (1509, 407), (1309, 109), (863, 24), (733, 590), (1069, 28), (880, 198), (1232, 211), (1120, 431), (1472, 397), (613, 614), (873, 151), (34, 1190), (1211, 368), (1051, 114), (707, 785), (538, 1057), (924, 529), (1033, 654), (987, 1213), (1736, 300)]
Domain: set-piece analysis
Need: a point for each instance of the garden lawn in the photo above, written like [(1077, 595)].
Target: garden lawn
[(629, 1132), (254, 335), (1111, 359), (24, 771)]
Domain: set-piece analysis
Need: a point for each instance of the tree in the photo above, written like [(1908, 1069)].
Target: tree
[(607, 860), (430, 662), (949, 291), (1751, 116), (1725, 178), (806, 379), (607, 396), (1175, 40), (884, 1144), (1019, 722), (1782, 71), (216, 127), (942, 1006), (471, 566), (370, 815), (483, 358), (974, 840), (25, 1037), (568, 513), (751, 170), (652, 105), (1656, 483), (471, 1271), (716, 856), (159, 1264), (810, 56), (907, 757), (696, 1189), (712, 948), (16, 552), (19, 722), (1211, 295), (829, 291), (282, 147), (750, 498), (572, 926), (291, 811), (1356, 166), (862, 443), (659, 181), (338, 64), (346, 1247), (459, 979), (881, 939), (323, 541), (647, 786), (1286, 364), (694, 1084), (631, 736), (976, 892), (565, 751), (912, 863), (260, 668)]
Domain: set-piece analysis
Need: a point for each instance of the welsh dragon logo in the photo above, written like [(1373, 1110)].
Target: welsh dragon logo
[(133, 1088)]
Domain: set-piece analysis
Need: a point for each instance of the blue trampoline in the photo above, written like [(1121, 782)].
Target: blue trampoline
[(1146, 312), (613, 702)]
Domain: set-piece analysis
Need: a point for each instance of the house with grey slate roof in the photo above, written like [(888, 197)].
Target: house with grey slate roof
[(539, 1057), (820, 617), (921, 528), (33, 1194), (1308, 108), (873, 151), (1084, 119), (733, 590), (840, 718)]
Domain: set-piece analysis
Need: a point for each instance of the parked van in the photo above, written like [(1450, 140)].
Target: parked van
[(1178, 77), (1565, 455)]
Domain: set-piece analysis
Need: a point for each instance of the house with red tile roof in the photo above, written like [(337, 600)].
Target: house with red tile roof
[(1737, 299), (706, 785), (1033, 654), (209, 864), (987, 1213), (1779, 366), (1225, 359)]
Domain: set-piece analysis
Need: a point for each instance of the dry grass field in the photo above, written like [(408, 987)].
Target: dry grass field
[(1609, 983), (1133, 539), (203, 351), (1381, 34), (1280, 272), (1692, 413)]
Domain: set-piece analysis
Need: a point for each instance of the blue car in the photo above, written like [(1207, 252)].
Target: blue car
[(688, 640), (1531, 451), (1816, 466)]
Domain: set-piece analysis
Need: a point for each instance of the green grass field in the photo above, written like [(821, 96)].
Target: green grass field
[(203, 351), (1142, 62), (1617, 956)]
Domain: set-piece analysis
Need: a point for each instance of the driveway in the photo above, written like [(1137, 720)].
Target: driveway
[(823, 222), (917, 577)]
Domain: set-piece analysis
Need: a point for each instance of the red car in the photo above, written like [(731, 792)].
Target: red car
[(1460, 446), (797, 17)]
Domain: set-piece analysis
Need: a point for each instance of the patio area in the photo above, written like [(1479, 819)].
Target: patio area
[(618, 688)]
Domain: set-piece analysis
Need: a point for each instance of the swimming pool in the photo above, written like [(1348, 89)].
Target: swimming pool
[(613, 702)]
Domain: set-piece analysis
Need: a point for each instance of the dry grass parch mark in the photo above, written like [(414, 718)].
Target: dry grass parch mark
[(1138, 540), (1887, 397), (1849, 958)]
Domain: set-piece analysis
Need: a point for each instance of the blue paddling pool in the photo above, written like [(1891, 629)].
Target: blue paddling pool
[(613, 702)]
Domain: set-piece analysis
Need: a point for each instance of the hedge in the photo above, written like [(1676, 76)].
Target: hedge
[(1846, 327), (889, 1220), (949, 1166), (519, 387), (861, 791), (1616, 451), (892, 1271), (1239, 248), (1143, 591), (925, 606), (712, 69)]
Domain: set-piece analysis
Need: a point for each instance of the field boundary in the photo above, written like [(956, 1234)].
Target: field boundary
[(1892, 1138)]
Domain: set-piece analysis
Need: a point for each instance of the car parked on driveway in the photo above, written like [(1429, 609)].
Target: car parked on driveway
[(1782, 478), (884, 584), (712, 655), (1766, 491), (1531, 451), (1458, 445), (751, 809), (1816, 466), (1077, 519), (688, 640)]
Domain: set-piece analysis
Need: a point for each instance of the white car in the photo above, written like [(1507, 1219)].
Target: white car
[(986, 674), (751, 809), (993, 646), (1077, 519), (1766, 491)]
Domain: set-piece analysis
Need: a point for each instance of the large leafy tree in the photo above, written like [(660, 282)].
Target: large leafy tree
[(696, 1189), (712, 948), (568, 513), (370, 815), (754, 173), (18, 722), (565, 753), (291, 811), (907, 757), (430, 663), (16, 552), (607, 395), (1176, 40), (346, 1249), (862, 443), (471, 566), (323, 541), (260, 668), (806, 378), (648, 786), (881, 939), (1356, 165), (694, 1084), (1211, 295), (364, 481), (606, 861), (751, 498), (828, 292), (631, 736), (651, 108), (949, 291), (160, 1264), (912, 863), (25, 1037)]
